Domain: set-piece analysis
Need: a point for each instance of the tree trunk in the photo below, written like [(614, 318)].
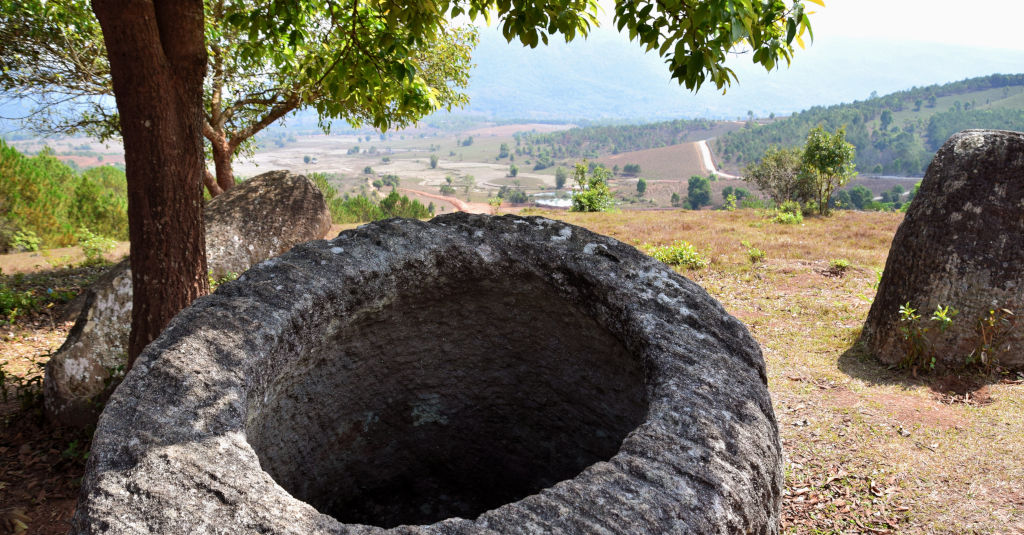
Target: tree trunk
[(222, 155), (210, 181), (157, 62)]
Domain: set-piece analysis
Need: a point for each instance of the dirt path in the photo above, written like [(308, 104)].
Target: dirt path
[(49, 259), (462, 206), (709, 163)]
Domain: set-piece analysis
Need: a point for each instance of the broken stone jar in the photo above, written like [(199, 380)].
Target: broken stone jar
[(470, 374)]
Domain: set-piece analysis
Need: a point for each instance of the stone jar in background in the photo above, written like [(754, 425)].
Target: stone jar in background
[(960, 246), (257, 219)]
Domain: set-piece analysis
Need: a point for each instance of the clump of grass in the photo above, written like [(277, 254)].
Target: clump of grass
[(680, 253), (839, 264), (754, 254)]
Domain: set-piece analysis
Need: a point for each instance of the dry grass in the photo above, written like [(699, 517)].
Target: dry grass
[(868, 449)]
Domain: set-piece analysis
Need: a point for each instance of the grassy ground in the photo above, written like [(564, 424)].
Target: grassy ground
[(868, 449)]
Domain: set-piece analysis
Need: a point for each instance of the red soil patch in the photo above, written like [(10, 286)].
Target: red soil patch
[(902, 408)]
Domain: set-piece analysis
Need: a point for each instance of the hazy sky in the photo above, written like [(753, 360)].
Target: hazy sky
[(986, 23), (982, 23)]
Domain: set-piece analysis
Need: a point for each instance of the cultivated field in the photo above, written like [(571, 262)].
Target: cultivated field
[(868, 449)]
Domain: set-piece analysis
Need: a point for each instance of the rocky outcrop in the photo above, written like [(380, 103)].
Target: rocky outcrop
[(471, 374), (255, 220), (960, 246)]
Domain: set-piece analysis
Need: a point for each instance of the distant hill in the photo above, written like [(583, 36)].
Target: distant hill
[(605, 77), (895, 134)]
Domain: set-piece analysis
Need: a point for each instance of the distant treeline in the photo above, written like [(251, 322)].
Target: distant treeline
[(594, 141), (885, 143), (360, 208), (44, 200)]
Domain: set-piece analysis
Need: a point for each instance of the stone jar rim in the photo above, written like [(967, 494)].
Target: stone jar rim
[(171, 454)]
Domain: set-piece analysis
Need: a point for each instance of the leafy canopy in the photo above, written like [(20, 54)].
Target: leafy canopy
[(385, 63), (780, 175), (346, 63), (828, 160)]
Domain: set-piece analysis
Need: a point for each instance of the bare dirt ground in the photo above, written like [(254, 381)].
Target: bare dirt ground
[(54, 258)]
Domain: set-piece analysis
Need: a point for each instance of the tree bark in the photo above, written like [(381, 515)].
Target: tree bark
[(157, 62)]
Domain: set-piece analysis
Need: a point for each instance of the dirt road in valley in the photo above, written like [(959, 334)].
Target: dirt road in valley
[(709, 163), (460, 205)]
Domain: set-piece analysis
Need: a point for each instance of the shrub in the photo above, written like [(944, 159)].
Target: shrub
[(25, 240), (680, 253), (789, 213), (754, 254), (94, 246), (14, 303)]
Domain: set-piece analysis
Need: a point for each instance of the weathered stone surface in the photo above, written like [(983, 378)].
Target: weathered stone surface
[(961, 245), (253, 221), (471, 374), (261, 218)]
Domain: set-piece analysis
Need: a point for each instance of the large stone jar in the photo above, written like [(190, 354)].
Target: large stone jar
[(469, 374)]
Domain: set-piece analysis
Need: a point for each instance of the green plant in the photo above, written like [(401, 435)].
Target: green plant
[(592, 193), (754, 254), (680, 253), (94, 246), (789, 213), (730, 202), (28, 388), (214, 283), (25, 240), (920, 354), (839, 265), (992, 328), (75, 451), (913, 338), (14, 303)]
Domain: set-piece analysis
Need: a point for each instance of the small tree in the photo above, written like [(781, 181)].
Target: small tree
[(591, 190), (641, 187), (828, 161), (886, 119), (675, 199), (433, 161), (306, 159), (698, 192), (560, 177), (779, 175), (859, 196), (513, 170)]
